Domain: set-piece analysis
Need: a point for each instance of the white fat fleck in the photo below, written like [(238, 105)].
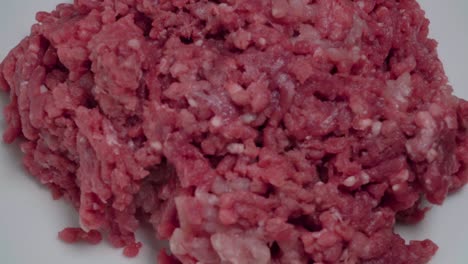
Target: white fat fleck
[(365, 123), (355, 49), (426, 120), (216, 121), (163, 63), (235, 88), (81, 140), (350, 181), (134, 44), (199, 43), (376, 128), (400, 88), (451, 122), (43, 89), (235, 148), (178, 68), (277, 12), (409, 148), (319, 52), (365, 177), (213, 200), (156, 145), (361, 4), (206, 197), (315, 234), (23, 84), (34, 48), (206, 65), (111, 140), (277, 65), (248, 118), (403, 175), (262, 41), (396, 187), (428, 182), (337, 215), (431, 155), (192, 102)]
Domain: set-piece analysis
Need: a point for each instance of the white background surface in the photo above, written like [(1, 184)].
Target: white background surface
[(30, 220)]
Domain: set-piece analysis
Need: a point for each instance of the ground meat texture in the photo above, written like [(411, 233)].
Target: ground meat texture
[(253, 132), (73, 235)]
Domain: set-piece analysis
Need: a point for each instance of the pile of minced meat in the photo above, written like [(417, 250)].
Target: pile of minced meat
[(243, 131)]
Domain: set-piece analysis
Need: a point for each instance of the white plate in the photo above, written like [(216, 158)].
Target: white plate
[(30, 220)]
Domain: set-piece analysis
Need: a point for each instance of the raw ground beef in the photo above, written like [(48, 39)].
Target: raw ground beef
[(244, 131)]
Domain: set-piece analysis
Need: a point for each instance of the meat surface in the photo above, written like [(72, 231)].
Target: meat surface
[(243, 131)]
